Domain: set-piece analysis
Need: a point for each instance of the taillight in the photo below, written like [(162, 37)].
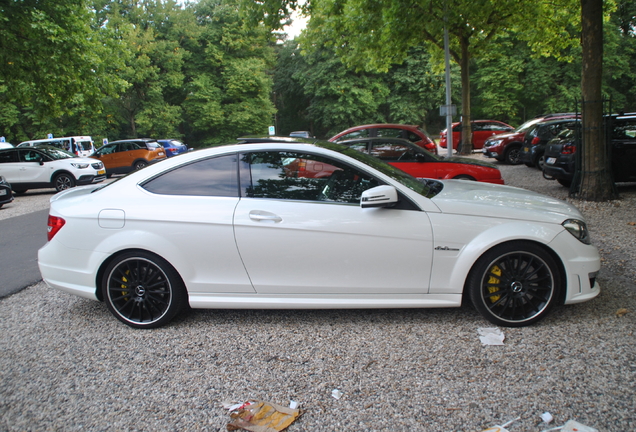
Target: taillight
[(54, 225), (535, 140), (568, 149)]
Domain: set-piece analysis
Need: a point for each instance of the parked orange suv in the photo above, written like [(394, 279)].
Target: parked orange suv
[(121, 157)]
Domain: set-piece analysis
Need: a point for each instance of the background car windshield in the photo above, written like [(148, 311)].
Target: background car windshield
[(56, 153)]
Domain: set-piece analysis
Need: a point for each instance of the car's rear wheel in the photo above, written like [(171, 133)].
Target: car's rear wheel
[(541, 162), (565, 182), (512, 155), (63, 181), (142, 290), (20, 191), (515, 284), (464, 177), (140, 164)]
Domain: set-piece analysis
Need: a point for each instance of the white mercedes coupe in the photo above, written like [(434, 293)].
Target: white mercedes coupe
[(290, 225)]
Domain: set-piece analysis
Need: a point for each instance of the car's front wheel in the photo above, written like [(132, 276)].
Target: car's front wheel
[(513, 154), (64, 181), (142, 290), (515, 284)]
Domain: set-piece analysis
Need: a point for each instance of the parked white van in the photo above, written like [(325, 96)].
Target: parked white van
[(78, 145)]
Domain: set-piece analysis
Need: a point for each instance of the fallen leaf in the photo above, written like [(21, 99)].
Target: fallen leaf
[(621, 312)]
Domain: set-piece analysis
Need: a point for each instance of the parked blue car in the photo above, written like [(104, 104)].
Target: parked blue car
[(173, 147)]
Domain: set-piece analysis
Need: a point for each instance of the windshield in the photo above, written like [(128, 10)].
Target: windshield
[(56, 153), (527, 125)]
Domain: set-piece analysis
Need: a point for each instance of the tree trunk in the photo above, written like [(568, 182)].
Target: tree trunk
[(596, 178), (465, 146)]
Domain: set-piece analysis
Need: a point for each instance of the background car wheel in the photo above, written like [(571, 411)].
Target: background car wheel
[(529, 165), (515, 284), (139, 165), (20, 191), (142, 290), (64, 181), (565, 182), (541, 162), (512, 155), (464, 177)]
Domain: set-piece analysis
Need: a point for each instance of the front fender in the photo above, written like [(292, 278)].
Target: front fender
[(460, 240)]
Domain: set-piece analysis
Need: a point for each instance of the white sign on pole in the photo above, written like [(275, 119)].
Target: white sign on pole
[(272, 130)]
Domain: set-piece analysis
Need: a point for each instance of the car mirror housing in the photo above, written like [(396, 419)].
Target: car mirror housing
[(379, 196)]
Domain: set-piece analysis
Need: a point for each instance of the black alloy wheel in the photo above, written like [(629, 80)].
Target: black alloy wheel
[(513, 155), (64, 181), (515, 284), (142, 290)]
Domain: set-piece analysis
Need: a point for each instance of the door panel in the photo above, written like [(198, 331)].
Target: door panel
[(307, 248), (299, 233)]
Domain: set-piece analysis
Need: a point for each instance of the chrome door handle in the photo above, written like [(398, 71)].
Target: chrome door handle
[(258, 215)]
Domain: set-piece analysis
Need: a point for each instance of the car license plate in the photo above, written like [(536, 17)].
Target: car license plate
[(160, 153), (102, 171), (3, 192), (526, 149), (550, 161)]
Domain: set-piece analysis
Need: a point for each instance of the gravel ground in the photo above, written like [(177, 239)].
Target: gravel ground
[(67, 364)]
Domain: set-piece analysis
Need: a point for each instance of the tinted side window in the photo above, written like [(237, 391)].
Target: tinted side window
[(392, 152), (8, 156), (624, 129), (389, 132), (363, 133), (412, 136), (209, 177), (304, 177)]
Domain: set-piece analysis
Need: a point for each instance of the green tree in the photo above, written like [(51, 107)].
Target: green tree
[(229, 86)]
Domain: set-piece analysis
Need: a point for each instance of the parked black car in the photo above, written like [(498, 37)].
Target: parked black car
[(6, 194), (536, 139), (560, 154)]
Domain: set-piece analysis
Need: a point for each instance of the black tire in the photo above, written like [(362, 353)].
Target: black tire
[(515, 284), (512, 154), (109, 175), (63, 181), (529, 165), (20, 191), (142, 290), (140, 164), (565, 182), (541, 162), (464, 177)]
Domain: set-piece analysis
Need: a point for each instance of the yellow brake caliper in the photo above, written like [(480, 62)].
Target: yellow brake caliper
[(124, 293), (493, 280)]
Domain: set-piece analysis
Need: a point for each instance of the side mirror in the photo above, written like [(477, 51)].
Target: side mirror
[(379, 196)]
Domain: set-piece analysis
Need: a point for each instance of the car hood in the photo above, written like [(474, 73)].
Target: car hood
[(507, 135), (507, 202)]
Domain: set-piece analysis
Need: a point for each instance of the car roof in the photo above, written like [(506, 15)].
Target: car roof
[(276, 139), (133, 140)]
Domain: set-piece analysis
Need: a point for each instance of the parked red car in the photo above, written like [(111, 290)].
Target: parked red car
[(409, 132), (419, 163), (482, 130), (506, 147)]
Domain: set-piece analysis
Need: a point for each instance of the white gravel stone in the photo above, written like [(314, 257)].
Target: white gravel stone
[(67, 364)]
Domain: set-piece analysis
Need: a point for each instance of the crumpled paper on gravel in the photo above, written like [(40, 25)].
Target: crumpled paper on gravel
[(491, 336), (259, 416)]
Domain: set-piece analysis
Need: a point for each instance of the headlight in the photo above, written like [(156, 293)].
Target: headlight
[(493, 142), (80, 165), (578, 229)]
